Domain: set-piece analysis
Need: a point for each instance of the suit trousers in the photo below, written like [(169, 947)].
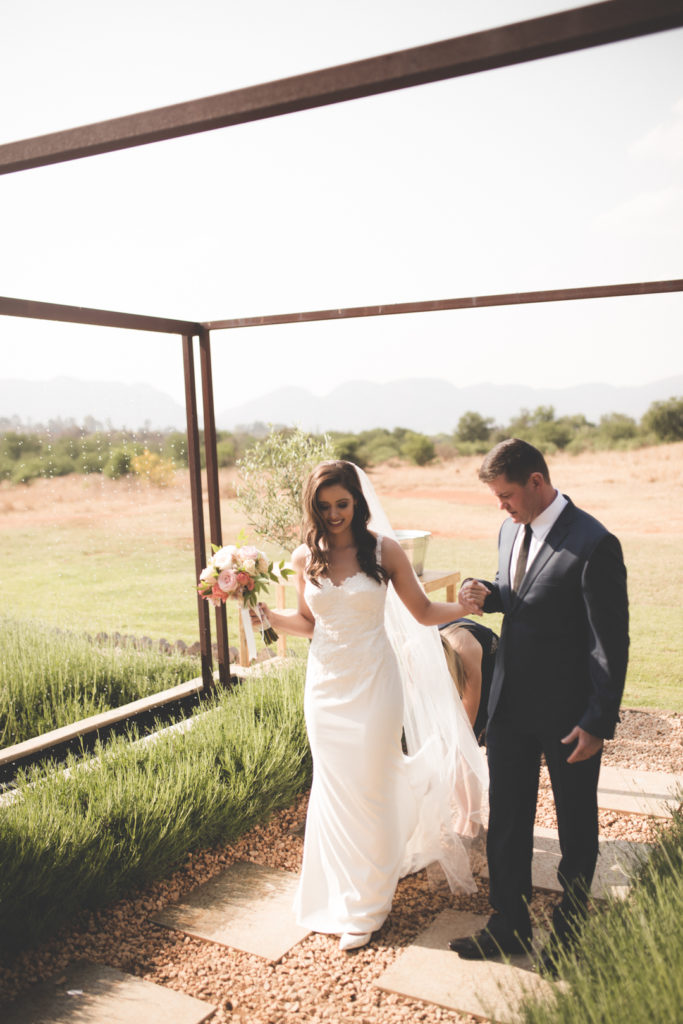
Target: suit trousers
[(514, 755)]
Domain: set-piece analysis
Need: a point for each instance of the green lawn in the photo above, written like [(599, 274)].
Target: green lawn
[(133, 576)]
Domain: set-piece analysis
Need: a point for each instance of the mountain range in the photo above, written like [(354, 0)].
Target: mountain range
[(433, 406), (430, 406)]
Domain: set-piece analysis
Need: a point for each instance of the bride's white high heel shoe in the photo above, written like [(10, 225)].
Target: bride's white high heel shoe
[(350, 940)]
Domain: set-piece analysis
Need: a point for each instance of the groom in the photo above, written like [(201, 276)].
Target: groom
[(556, 688)]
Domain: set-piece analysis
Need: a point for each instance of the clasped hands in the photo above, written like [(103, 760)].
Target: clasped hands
[(472, 595)]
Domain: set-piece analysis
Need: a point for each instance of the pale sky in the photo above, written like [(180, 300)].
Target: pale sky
[(558, 173)]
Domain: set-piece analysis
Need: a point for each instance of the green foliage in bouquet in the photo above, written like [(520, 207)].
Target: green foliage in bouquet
[(272, 474)]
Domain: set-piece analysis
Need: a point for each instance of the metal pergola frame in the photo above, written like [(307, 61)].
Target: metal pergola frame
[(565, 32)]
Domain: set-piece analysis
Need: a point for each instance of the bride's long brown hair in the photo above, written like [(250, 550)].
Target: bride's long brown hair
[(343, 474)]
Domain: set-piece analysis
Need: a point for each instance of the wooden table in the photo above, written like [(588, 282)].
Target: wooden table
[(435, 579), (431, 580)]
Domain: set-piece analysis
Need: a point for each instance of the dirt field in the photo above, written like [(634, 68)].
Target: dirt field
[(631, 492), (636, 492)]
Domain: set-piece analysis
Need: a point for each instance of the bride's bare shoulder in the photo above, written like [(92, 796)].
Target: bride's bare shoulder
[(393, 554), (389, 544)]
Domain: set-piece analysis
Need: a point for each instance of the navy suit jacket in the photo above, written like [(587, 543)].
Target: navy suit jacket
[(563, 649)]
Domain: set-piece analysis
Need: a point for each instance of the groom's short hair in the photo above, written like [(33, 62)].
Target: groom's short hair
[(514, 459)]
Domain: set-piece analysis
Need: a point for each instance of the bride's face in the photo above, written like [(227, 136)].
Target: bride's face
[(335, 505)]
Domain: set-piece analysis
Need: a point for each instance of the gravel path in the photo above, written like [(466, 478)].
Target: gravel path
[(315, 981)]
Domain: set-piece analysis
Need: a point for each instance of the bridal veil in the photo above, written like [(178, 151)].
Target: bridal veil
[(447, 767)]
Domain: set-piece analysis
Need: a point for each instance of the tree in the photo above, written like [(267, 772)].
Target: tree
[(665, 419), (473, 427), (616, 426), (418, 448), (347, 447), (273, 472)]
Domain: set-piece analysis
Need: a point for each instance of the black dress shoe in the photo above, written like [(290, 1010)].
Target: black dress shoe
[(556, 948), (485, 945)]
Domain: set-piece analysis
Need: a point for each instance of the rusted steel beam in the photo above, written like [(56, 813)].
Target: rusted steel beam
[(553, 34), (194, 464), (213, 494), (436, 305), (95, 317)]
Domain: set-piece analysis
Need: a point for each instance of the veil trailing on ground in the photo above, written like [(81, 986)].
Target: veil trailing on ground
[(446, 765)]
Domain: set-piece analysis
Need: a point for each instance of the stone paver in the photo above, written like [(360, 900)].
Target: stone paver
[(651, 793), (617, 861), (429, 971), (247, 906), (92, 994)]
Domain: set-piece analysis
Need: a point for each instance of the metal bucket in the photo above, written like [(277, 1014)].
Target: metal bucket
[(414, 543)]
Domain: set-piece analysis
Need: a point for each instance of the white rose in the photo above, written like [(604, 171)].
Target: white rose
[(224, 557), (249, 565)]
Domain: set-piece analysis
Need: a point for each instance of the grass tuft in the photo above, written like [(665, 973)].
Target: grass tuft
[(50, 678)]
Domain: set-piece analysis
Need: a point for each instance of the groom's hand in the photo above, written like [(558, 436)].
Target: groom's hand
[(587, 745), (472, 596)]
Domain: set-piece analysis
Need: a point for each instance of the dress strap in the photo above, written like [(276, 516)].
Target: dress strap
[(378, 549)]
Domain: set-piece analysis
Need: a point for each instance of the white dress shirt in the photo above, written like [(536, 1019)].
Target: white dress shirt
[(540, 528)]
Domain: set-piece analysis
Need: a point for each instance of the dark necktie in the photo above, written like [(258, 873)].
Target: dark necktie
[(522, 559)]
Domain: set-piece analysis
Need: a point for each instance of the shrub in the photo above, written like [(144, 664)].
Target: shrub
[(15, 445), (90, 462), (226, 451), (418, 448), (24, 472), (153, 468), (615, 426), (175, 448), (347, 447), (473, 447), (665, 419), (377, 453), (119, 463)]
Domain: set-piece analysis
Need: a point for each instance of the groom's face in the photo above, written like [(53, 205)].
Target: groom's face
[(522, 502)]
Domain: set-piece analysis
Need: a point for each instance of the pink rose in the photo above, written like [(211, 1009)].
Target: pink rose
[(228, 581), (249, 552)]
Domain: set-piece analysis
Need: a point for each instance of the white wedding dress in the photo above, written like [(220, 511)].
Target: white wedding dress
[(370, 819)]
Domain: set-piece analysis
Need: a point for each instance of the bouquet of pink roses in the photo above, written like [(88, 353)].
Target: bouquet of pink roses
[(240, 574)]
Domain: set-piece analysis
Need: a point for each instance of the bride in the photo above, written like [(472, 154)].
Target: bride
[(374, 813)]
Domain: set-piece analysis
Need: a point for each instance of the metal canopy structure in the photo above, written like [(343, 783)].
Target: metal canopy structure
[(564, 32)]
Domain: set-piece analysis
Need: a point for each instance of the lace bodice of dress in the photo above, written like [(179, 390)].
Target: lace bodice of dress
[(349, 611)]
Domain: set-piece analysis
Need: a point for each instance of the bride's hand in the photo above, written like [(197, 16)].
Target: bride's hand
[(254, 614)]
